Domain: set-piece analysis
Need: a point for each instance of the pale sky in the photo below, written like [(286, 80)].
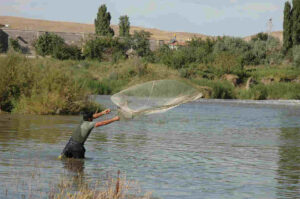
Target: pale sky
[(210, 17)]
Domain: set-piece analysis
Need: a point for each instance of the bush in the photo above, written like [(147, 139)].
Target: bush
[(227, 62), (231, 44), (263, 51), (104, 48), (283, 90), (220, 89), (65, 51), (141, 43), (14, 44), (260, 37), (34, 86), (274, 51), (47, 42), (296, 55), (257, 92), (257, 54)]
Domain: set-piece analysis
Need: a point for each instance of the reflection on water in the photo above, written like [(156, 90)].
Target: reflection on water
[(208, 149), (289, 163)]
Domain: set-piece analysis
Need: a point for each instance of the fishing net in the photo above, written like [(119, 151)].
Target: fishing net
[(154, 97)]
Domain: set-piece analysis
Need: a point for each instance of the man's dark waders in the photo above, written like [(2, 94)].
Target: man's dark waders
[(74, 149)]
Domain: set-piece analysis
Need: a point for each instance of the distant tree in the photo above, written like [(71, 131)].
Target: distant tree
[(296, 22), (260, 36), (141, 43), (14, 44), (124, 26), (47, 42), (287, 28), (102, 22)]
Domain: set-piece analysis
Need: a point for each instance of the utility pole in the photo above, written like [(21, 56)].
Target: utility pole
[(269, 27), (269, 31)]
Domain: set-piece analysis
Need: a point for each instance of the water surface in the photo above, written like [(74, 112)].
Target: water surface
[(206, 149)]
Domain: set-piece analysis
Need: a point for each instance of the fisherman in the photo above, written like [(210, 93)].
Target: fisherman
[(75, 148)]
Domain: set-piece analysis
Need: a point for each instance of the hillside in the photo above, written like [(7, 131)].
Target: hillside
[(276, 34), (57, 26)]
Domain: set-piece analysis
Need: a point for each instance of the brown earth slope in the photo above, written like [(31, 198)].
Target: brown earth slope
[(57, 26)]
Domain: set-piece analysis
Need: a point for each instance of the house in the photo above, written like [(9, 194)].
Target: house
[(173, 43)]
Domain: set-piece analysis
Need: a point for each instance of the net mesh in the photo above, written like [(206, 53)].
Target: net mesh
[(154, 97)]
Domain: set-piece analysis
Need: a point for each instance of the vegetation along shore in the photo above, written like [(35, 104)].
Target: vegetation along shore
[(62, 76)]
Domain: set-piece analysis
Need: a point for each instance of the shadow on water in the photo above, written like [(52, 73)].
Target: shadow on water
[(75, 176), (289, 164)]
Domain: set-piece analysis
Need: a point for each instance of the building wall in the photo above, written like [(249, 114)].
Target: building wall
[(3, 41)]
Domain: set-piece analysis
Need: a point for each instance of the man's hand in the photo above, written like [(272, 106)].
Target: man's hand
[(96, 115), (117, 118), (106, 111), (102, 123)]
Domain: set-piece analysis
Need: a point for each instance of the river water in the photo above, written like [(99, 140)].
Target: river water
[(205, 149)]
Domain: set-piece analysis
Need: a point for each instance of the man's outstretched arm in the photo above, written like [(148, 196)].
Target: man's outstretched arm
[(102, 123), (96, 115)]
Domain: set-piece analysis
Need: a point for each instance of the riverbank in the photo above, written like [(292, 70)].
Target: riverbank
[(51, 86), (41, 86)]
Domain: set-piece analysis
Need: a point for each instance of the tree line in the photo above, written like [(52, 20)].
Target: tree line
[(291, 26)]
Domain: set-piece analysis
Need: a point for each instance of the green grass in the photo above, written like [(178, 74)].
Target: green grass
[(40, 86), (278, 72), (50, 86)]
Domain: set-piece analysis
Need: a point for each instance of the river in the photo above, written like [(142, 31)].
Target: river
[(205, 149)]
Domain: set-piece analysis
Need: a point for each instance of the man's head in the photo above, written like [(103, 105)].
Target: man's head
[(88, 116)]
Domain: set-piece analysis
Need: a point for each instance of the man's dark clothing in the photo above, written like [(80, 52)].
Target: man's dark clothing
[(75, 148)]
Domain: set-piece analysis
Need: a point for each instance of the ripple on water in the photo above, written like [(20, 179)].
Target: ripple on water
[(209, 149)]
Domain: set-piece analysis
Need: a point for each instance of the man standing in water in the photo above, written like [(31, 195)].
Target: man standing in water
[(75, 148)]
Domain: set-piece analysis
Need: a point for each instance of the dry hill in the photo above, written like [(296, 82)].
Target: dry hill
[(276, 34), (57, 26)]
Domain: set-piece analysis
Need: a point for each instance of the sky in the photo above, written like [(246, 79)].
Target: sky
[(210, 17)]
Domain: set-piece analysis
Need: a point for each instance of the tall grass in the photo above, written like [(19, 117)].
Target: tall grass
[(276, 90), (39, 86), (50, 86), (119, 188), (219, 89)]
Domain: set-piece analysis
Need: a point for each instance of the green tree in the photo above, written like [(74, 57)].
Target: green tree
[(260, 36), (102, 22), (287, 28), (296, 22), (47, 42), (124, 26), (141, 43), (14, 44)]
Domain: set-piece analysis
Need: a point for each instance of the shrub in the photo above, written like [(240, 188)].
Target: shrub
[(296, 55), (104, 48), (65, 51), (34, 86), (226, 62), (47, 42), (257, 54), (260, 37), (283, 90), (141, 43), (189, 72), (220, 89), (263, 52), (14, 44), (257, 92), (232, 44)]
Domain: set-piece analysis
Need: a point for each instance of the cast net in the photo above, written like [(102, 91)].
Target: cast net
[(154, 97)]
